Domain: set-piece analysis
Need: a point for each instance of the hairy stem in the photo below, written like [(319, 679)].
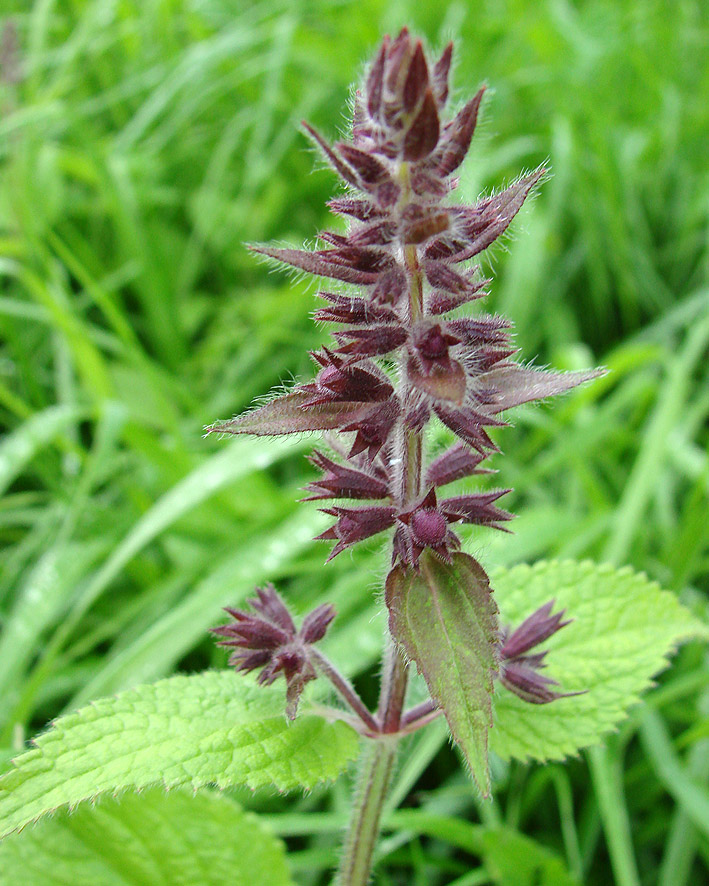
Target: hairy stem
[(393, 691), (345, 689), (419, 716), (373, 782)]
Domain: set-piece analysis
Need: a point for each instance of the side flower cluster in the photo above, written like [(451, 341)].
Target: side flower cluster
[(267, 639), (401, 355), (520, 667)]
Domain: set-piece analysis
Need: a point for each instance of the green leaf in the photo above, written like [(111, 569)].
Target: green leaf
[(623, 629), (215, 727), (178, 838), (445, 618)]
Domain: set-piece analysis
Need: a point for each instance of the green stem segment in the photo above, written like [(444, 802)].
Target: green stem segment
[(364, 828)]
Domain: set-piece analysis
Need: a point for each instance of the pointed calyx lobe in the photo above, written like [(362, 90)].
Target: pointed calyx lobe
[(400, 272)]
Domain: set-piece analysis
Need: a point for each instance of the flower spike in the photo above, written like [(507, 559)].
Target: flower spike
[(405, 350)]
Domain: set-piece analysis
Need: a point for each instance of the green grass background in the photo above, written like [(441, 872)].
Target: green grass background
[(141, 143)]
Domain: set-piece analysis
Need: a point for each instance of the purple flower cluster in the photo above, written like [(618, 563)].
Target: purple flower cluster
[(520, 667), (399, 357), (403, 354), (269, 640)]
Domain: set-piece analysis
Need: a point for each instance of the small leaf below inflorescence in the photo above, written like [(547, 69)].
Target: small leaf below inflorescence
[(444, 616)]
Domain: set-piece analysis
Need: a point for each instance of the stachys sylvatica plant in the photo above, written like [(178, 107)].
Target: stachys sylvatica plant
[(403, 356), (406, 352)]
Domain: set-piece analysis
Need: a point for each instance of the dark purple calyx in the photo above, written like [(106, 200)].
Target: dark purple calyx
[(267, 638), (520, 667)]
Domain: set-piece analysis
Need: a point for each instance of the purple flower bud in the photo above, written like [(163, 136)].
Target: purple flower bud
[(316, 623), (534, 630), (425, 526), (440, 75), (428, 527)]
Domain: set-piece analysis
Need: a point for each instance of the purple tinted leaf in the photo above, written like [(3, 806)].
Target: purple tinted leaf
[(323, 263), (336, 162), (445, 618), (513, 385), (287, 415)]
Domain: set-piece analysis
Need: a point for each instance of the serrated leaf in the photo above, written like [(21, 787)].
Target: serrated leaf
[(446, 619), (215, 727), (178, 838), (623, 629)]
